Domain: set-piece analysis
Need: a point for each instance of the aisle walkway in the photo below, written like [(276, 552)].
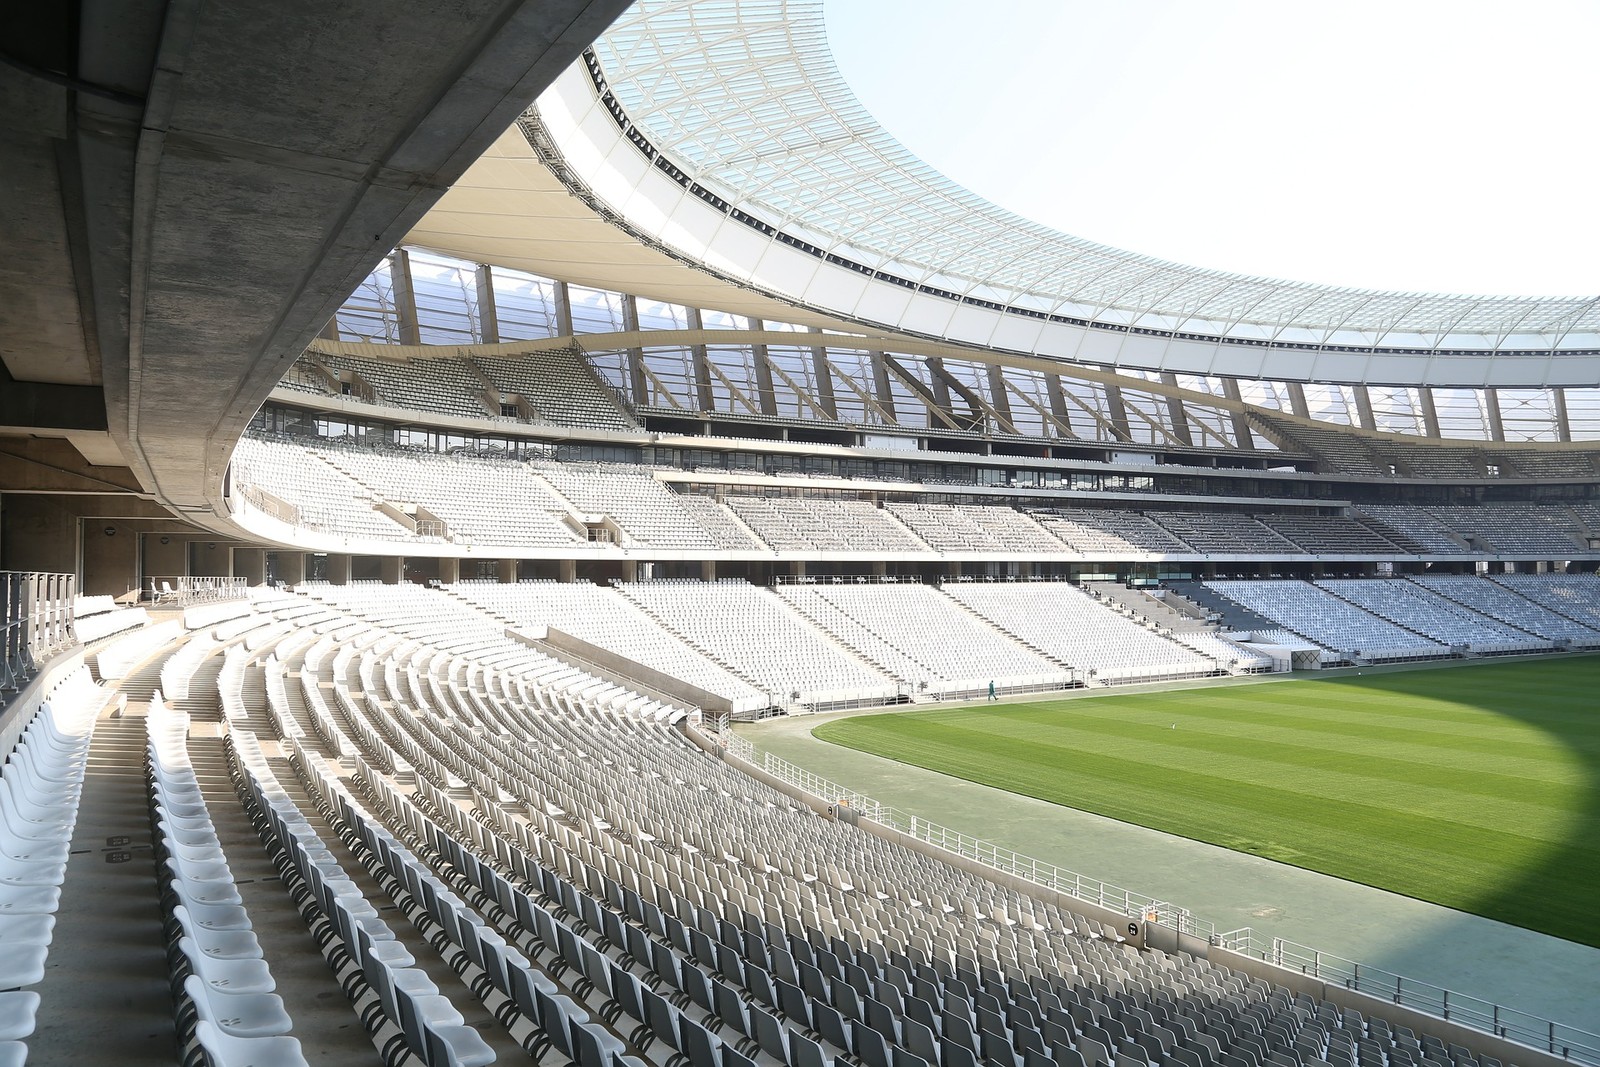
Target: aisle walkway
[(1519, 968)]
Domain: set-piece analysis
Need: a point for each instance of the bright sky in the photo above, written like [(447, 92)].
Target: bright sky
[(1443, 145)]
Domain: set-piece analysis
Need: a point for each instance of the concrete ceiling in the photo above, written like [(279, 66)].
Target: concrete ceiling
[(192, 190)]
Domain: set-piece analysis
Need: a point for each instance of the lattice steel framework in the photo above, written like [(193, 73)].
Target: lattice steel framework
[(745, 97)]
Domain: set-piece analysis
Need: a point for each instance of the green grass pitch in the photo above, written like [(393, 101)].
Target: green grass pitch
[(1476, 787)]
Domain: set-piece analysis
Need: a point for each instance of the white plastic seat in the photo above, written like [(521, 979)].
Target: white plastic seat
[(13, 1054), (221, 944), (225, 1050), (29, 899), (22, 965), (18, 1009), (228, 975), (239, 1014)]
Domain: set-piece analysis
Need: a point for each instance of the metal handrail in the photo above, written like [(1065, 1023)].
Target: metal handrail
[(1569, 1042)]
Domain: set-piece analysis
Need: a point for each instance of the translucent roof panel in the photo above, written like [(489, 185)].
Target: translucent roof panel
[(744, 95)]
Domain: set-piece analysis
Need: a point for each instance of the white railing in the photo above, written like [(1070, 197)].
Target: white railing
[(1568, 1042), (1580, 1046), (36, 622), (1007, 861)]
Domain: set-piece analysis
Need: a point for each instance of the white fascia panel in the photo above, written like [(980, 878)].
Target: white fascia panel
[(974, 325), (1396, 369), (881, 302), (928, 314), (836, 287), (1102, 346), (736, 250), (784, 270), (692, 226), (1016, 333)]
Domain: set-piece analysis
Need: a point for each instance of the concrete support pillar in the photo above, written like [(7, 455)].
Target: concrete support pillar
[(798, 568), (1116, 409), (251, 565), (1297, 400), (952, 569), (405, 297), (880, 384), (338, 569), (1430, 414), (705, 396), (638, 382), (708, 570), (1242, 437), (880, 567), (568, 570), (291, 567), (823, 375), (1363, 407), (766, 395), (449, 570), (1000, 398), (488, 313), (1491, 408), (630, 570), (1558, 404), (508, 571), (1058, 403), (563, 310), (392, 570), (1176, 413)]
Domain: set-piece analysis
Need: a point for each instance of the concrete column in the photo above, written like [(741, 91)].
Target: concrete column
[(1491, 407), (1430, 414), (630, 570), (1558, 403), (338, 569), (880, 385), (291, 567), (766, 395), (1176, 415), (392, 570), (405, 297), (1116, 410), (449, 570), (798, 568), (880, 567), (1242, 437), (508, 571), (488, 314), (1297, 400), (823, 375), (708, 570), (705, 396), (638, 381), (952, 569), (1000, 398), (1363, 407), (568, 570), (563, 310), (251, 565), (1058, 405)]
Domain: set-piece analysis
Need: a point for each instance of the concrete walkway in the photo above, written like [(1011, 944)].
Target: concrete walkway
[(1518, 968)]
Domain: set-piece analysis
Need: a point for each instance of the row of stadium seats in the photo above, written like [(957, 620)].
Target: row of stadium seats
[(404, 497), (496, 854)]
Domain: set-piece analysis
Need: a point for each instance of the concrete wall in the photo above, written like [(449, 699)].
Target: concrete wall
[(171, 558), (110, 557), (211, 559), (38, 534)]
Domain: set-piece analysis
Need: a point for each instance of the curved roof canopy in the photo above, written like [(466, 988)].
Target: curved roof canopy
[(743, 99)]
